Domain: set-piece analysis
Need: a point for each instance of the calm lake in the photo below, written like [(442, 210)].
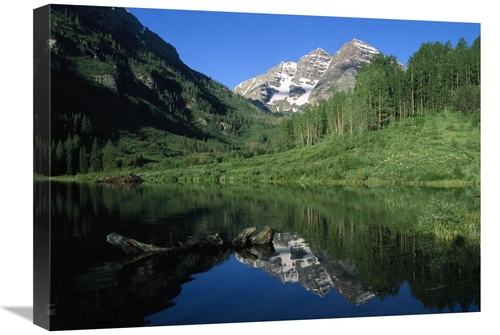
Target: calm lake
[(337, 252)]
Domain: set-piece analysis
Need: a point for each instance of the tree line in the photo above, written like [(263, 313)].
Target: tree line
[(437, 77)]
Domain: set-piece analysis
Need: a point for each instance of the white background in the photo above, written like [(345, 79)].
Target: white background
[(16, 277)]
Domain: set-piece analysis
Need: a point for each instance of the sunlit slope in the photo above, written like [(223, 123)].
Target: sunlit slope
[(441, 148)]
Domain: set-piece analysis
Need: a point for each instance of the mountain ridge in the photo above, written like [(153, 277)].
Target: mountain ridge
[(315, 76)]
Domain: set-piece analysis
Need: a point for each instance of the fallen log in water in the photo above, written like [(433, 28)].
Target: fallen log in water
[(131, 246), (244, 239)]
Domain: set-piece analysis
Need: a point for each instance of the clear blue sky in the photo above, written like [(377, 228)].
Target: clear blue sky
[(233, 47)]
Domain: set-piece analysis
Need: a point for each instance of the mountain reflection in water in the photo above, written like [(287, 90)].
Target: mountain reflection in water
[(294, 262), (337, 252)]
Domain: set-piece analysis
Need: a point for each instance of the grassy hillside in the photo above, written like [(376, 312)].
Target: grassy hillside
[(437, 149)]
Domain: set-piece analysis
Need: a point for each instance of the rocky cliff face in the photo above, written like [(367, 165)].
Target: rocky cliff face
[(315, 76), (313, 65), (341, 74)]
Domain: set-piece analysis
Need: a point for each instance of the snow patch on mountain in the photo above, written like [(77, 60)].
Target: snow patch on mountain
[(283, 92), (283, 75), (285, 79)]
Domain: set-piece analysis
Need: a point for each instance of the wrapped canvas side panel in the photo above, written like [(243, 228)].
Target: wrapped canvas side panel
[(42, 302)]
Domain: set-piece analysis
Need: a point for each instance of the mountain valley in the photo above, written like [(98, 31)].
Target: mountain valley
[(121, 99)]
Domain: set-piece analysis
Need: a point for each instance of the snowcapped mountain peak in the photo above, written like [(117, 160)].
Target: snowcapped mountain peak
[(318, 50), (365, 47), (315, 76)]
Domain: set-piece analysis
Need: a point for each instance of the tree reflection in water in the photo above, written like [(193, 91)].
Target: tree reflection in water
[(357, 242)]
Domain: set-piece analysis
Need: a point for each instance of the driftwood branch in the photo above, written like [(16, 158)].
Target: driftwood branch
[(245, 239), (131, 246)]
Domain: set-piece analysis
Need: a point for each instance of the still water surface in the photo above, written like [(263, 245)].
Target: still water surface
[(337, 252)]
